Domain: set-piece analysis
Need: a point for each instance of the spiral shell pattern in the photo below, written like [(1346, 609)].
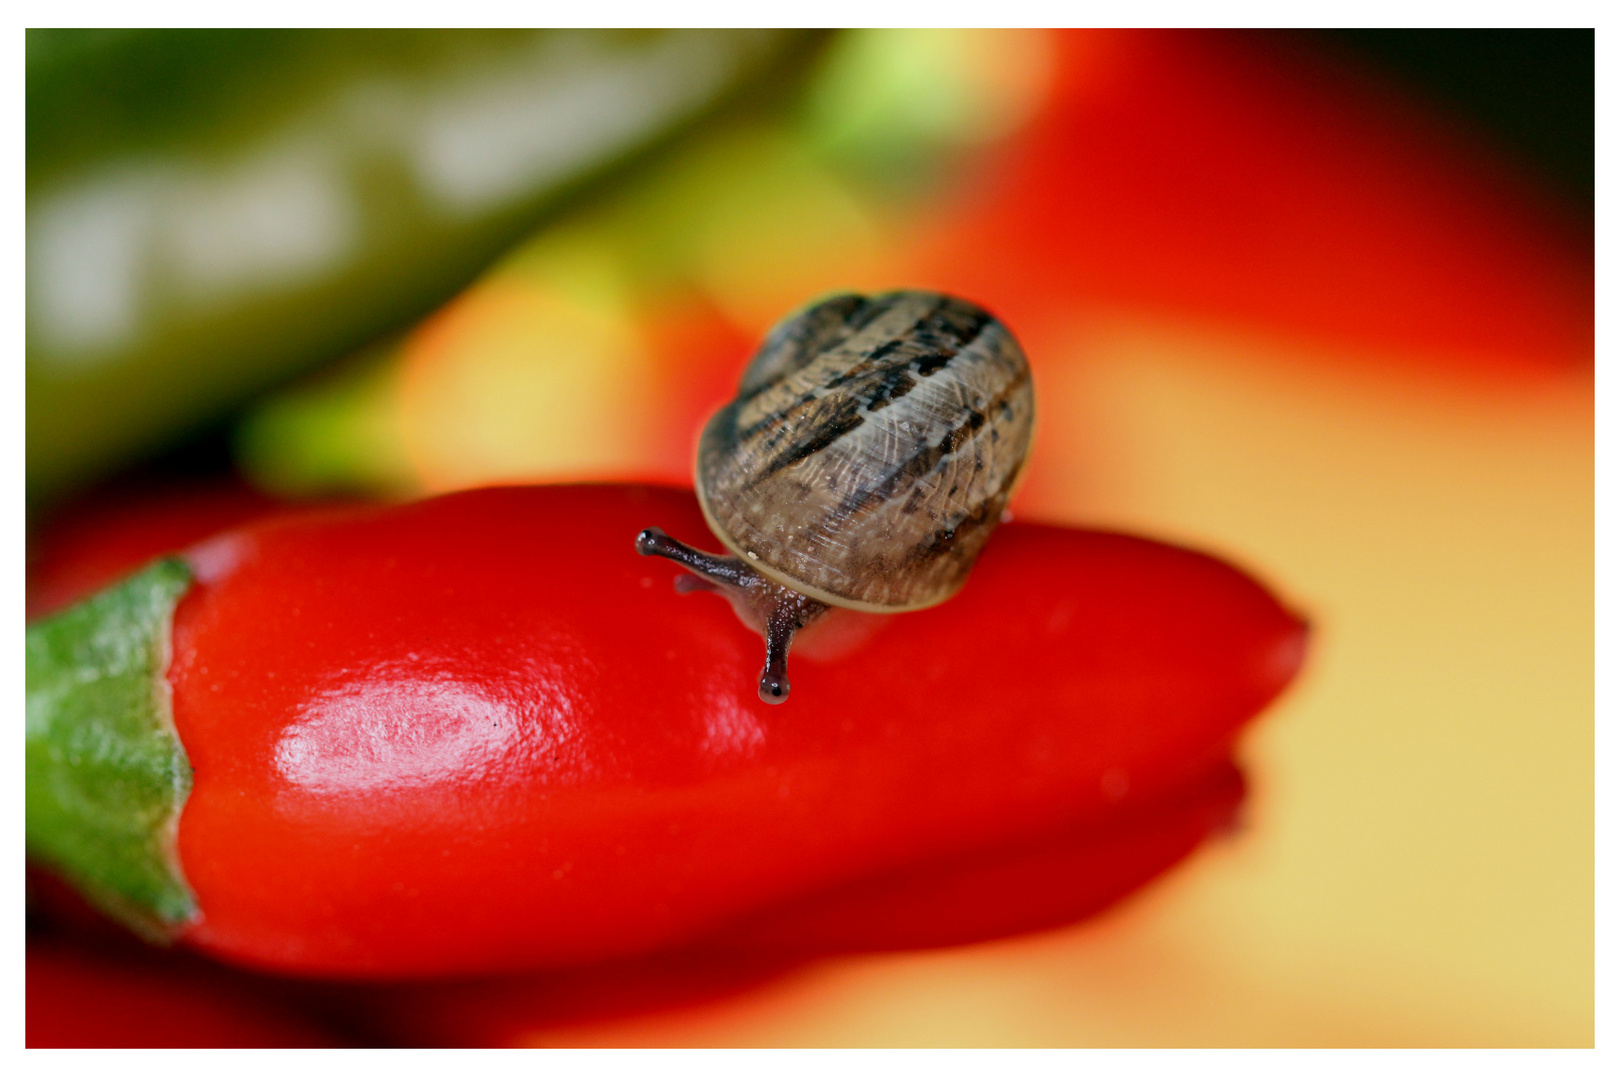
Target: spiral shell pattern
[(871, 448)]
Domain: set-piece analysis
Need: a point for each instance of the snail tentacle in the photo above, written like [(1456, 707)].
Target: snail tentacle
[(713, 571), (773, 609), (791, 612)]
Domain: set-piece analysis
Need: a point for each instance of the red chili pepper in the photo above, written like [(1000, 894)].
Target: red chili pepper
[(479, 733)]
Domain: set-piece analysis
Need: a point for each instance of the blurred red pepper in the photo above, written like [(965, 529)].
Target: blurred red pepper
[(478, 734), (107, 533), (1231, 180), (121, 999)]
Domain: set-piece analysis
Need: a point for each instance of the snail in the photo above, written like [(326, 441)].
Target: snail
[(869, 453)]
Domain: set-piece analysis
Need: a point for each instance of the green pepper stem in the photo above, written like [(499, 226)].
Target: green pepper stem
[(106, 773)]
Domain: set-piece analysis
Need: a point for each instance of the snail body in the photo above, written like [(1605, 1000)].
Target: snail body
[(868, 455)]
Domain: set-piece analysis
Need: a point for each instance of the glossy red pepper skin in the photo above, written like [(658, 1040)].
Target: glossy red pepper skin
[(478, 733)]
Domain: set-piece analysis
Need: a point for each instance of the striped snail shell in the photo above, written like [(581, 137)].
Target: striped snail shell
[(869, 453)]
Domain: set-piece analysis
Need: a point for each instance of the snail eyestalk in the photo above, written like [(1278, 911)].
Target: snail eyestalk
[(717, 570), (791, 612), (772, 609)]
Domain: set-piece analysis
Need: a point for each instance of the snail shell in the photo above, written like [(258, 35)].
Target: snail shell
[(871, 449), (867, 457)]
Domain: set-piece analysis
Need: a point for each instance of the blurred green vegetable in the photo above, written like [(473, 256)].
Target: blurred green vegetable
[(210, 211)]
